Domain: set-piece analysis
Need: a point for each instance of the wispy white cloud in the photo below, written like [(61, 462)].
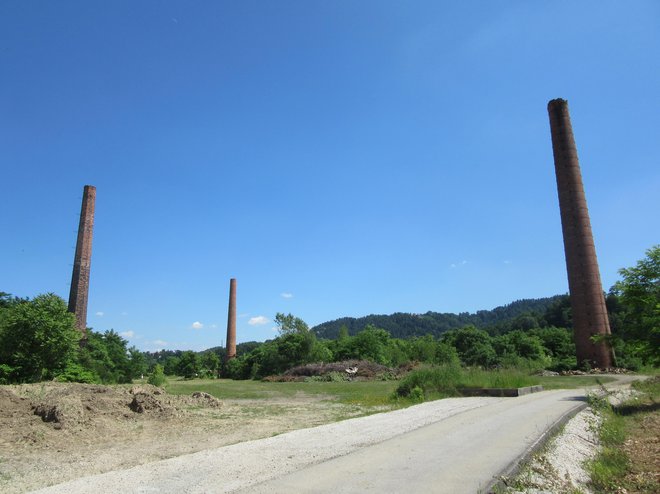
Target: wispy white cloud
[(286, 295), (124, 313), (100, 314), (160, 343), (127, 334), (455, 265), (508, 262), (196, 325), (258, 321), (213, 326)]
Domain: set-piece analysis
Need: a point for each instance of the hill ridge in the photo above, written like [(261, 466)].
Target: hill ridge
[(405, 325)]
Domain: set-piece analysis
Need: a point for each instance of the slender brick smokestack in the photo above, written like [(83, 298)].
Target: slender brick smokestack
[(231, 322), (82, 261), (587, 300)]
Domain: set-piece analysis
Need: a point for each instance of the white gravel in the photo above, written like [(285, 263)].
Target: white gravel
[(274, 456), (561, 467)]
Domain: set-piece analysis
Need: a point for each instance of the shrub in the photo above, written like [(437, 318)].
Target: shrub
[(76, 373), (157, 376), (442, 379), (445, 380), (417, 394), (37, 339), (6, 372), (237, 368)]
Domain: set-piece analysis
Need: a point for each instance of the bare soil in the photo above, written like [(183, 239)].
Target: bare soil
[(54, 432)]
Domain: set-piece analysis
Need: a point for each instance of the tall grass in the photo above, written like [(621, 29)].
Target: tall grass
[(611, 463), (447, 380)]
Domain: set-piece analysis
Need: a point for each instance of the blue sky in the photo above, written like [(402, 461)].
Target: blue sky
[(338, 158)]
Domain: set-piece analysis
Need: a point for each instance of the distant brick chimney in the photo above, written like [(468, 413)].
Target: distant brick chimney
[(586, 291), (82, 261), (231, 322)]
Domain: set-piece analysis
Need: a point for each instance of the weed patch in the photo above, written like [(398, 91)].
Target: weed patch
[(628, 461), (447, 380)]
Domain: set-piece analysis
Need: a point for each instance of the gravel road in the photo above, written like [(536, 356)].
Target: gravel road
[(456, 445)]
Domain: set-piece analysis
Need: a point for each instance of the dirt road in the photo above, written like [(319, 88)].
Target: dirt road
[(453, 445)]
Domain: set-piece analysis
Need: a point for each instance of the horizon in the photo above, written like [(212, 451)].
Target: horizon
[(338, 159), (311, 328)]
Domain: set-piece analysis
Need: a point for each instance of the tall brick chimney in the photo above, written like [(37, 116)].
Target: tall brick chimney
[(231, 322), (82, 261), (586, 292)]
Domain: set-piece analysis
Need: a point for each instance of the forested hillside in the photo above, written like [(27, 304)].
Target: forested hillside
[(39, 340), (525, 312)]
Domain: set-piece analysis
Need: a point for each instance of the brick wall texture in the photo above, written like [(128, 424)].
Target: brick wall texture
[(586, 291)]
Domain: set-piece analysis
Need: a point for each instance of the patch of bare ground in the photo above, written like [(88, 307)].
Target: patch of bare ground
[(54, 432)]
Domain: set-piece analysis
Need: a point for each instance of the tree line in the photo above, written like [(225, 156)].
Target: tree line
[(38, 340), (403, 325)]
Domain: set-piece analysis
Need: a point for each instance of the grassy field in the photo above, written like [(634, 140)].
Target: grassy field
[(363, 393)]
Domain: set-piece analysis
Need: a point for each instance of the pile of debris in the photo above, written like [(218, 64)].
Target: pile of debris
[(361, 370), (596, 370)]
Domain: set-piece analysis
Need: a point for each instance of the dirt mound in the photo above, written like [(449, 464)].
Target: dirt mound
[(75, 406), (150, 399), (206, 399), (53, 432), (144, 402), (12, 405)]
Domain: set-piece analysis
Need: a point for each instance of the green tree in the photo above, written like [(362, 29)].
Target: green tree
[(171, 365), (239, 367), (397, 351), (559, 345), (106, 354), (5, 299), (294, 349), (287, 324), (639, 293), (559, 314), (423, 348), (446, 354), (474, 346), (210, 364), (523, 345), (371, 344), (321, 352), (188, 365), (37, 338), (137, 363)]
